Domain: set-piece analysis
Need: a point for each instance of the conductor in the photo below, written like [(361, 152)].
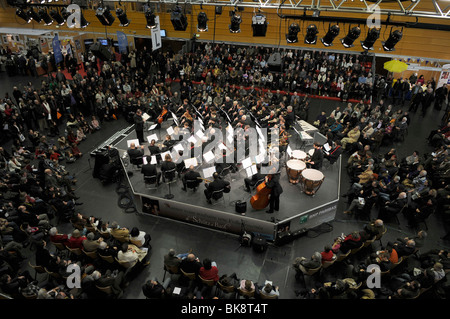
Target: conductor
[(216, 185)]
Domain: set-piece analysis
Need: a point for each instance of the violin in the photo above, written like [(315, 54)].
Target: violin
[(161, 116), (261, 199)]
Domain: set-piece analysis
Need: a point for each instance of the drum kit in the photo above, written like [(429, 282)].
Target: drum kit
[(309, 179)]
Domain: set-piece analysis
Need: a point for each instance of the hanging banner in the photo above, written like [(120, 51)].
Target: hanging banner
[(156, 35), (444, 78), (122, 42), (57, 49)]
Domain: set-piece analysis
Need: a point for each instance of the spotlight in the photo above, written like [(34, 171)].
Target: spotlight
[(33, 15), (202, 20), (235, 21), (104, 16), (178, 19), (393, 39), (332, 33), (57, 17), (150, 17), (259, 25), (45, 16), (22, 14), (65, 14), (352, 35), (293, 30), (122, 16), (311, 34), (372, 36)]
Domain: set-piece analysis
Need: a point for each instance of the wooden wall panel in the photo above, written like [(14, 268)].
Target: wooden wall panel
[(415, 43)]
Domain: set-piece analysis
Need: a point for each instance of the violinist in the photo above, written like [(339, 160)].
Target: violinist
[(187, 118), (273, 183), (168, 143)]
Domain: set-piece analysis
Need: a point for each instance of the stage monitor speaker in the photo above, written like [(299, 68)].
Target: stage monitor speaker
[(100, 51), (275, 62), (241, 207)]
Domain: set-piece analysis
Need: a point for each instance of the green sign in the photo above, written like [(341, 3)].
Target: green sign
[(304, 219)]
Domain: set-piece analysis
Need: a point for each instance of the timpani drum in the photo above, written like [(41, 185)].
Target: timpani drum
[(311, 180), (294, 169), (298, 155)]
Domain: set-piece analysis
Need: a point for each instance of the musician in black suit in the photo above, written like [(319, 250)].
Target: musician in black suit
[(150, 170), (139, 126), (167, 165), (216, 185), (250, 182), (273, 182), (153, 148), (289, 118), (191, 175), (168, 143), (316, 159), (135, 154)]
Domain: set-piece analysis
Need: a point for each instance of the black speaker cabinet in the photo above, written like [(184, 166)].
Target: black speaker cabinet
[(241, 207), (100, 52)]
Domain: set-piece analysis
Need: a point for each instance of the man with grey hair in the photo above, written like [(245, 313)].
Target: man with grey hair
[(114, 279), (171, 260), (302, 265), (289, 118), (91, 244), (393, 207)]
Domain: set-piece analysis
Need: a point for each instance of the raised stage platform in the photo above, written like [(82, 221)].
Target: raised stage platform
[(298, 211)]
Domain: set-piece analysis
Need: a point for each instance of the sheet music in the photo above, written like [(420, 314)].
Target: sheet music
[(252, 170), (222, 146), (176, 290), (170, 130), (247, 162), (326, 147), (144, 160), (145, 117), (209, 171), (289, 150), (190, 161), (209, 156), (135, 141), (260, 158), (152, 127), (175, 118), (178, 147), (152, 137), (153, 160), (192, 139), (200, 134), (163, 155)]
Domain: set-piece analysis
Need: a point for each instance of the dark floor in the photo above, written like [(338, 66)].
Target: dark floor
[(275, 263)]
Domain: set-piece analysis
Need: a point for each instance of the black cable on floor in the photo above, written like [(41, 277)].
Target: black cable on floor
[(321, 229)]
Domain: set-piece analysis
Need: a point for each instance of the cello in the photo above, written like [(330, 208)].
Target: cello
[(261, 199), (161, 116)]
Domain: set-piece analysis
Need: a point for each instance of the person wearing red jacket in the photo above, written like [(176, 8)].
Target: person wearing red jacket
[(351, 241), (76, 240), (209, 270), (327, 254)]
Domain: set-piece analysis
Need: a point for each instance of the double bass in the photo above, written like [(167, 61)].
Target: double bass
[(261, 199)]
